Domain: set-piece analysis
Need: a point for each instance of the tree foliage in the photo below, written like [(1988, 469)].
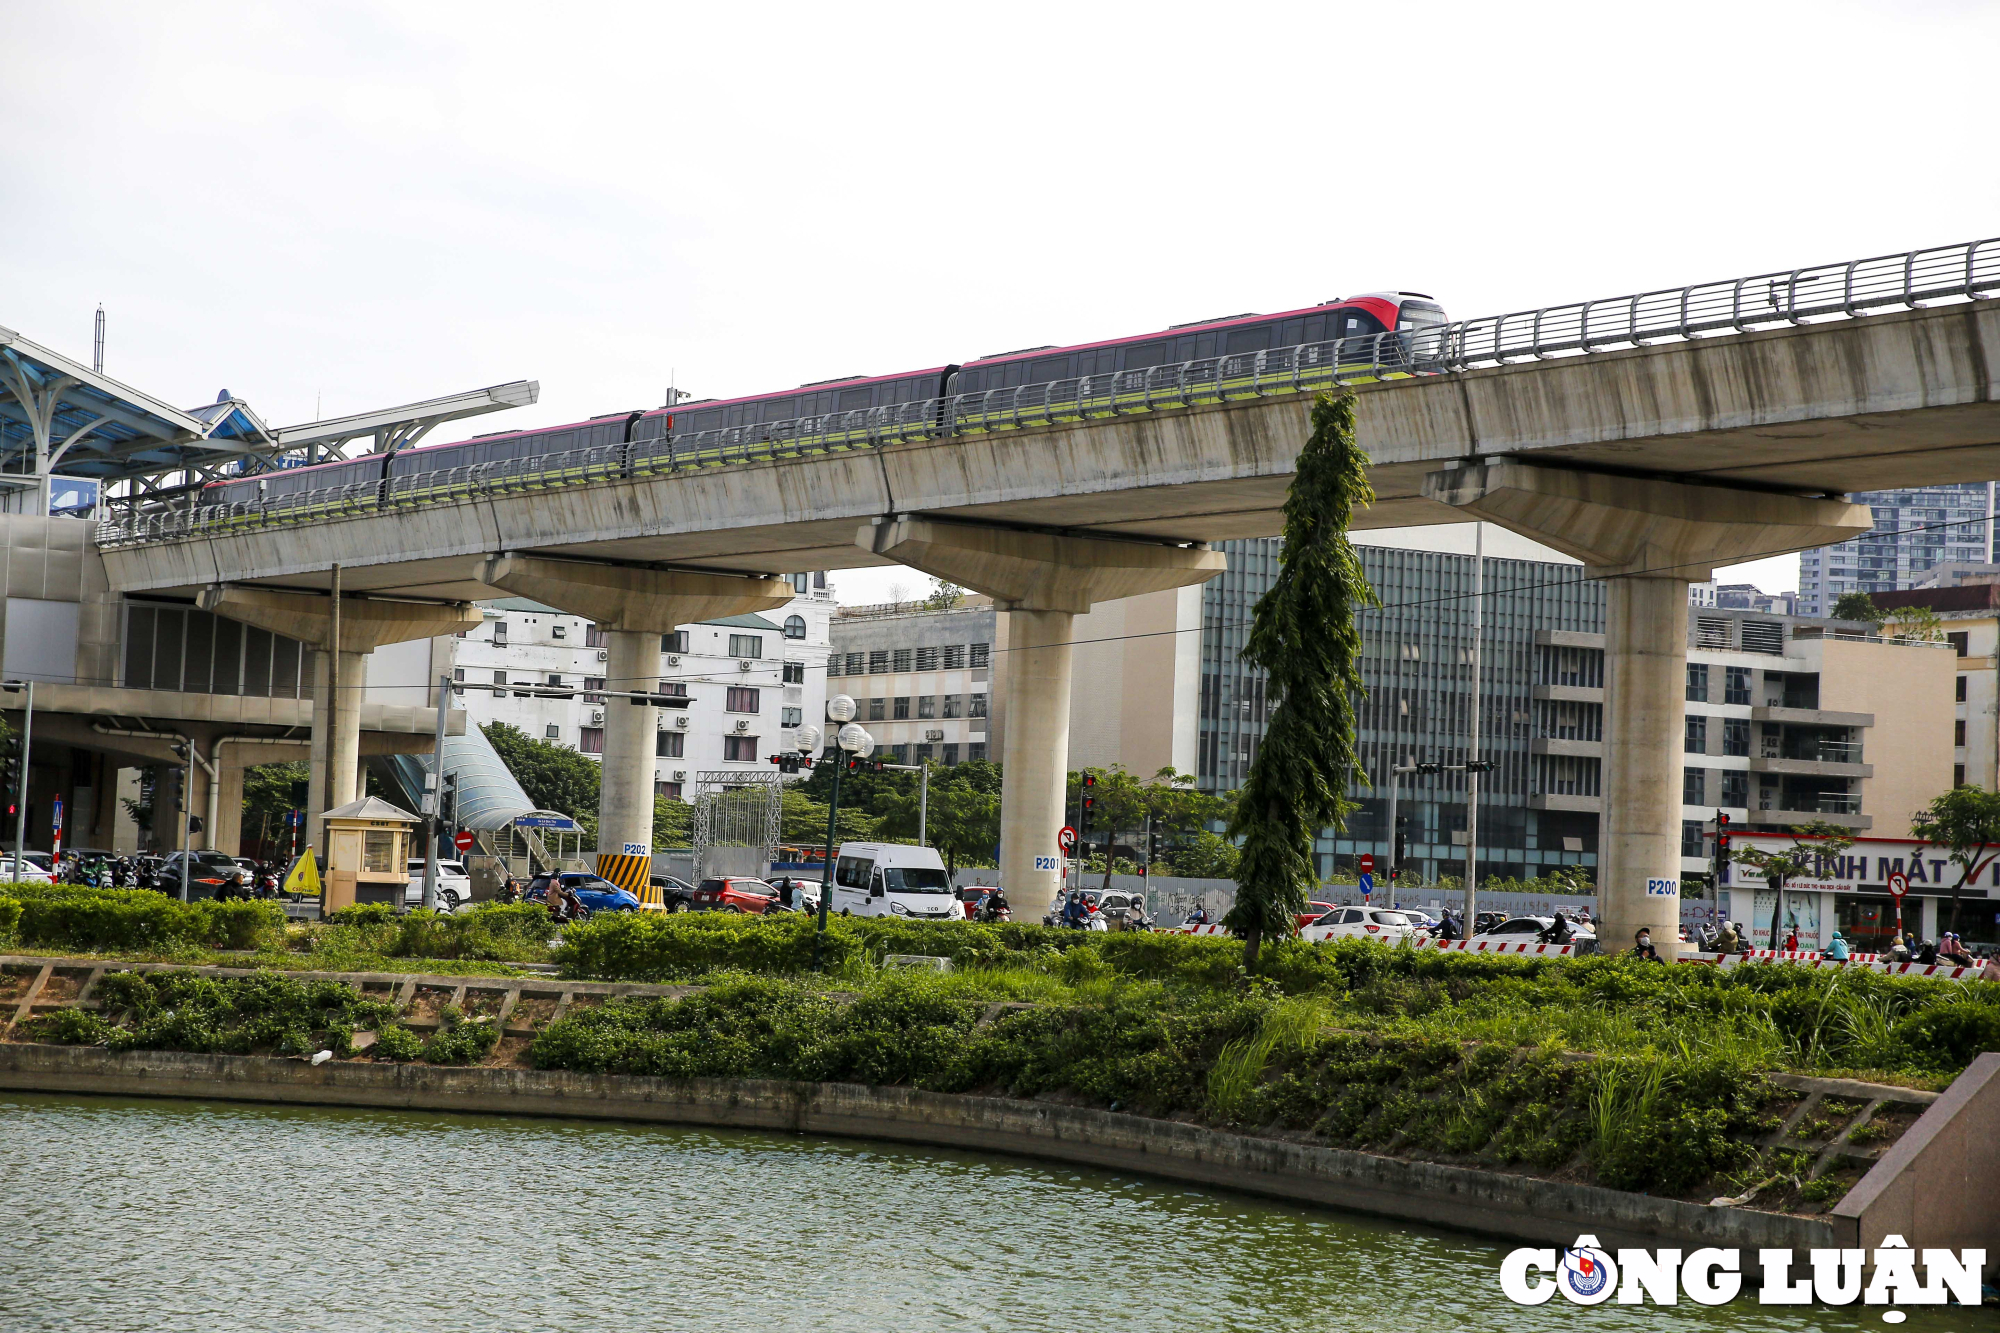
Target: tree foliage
[(1303, 634), (1811, 841), (1857, 606), (555, 777), (270, 791), (964, 816), (1966, 822), (1913, 622)]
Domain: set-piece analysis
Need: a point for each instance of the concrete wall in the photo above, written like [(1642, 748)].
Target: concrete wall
[(1135, 683), (1909, 689), (1934, 1186)]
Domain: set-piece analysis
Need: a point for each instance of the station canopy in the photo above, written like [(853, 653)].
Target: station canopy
[(59, 417)]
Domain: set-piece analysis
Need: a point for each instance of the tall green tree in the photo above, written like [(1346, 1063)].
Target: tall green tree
[(270, 791), (1303, 634), (963, 821), (1810, 841), (555, 777), (1966, 822), (1857, 606)]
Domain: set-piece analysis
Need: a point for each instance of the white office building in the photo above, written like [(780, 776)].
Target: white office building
[(1915, 531)]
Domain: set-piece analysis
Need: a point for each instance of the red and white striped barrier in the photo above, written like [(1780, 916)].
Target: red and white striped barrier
[(1869, 962), (1504, 946), (1210, 929)]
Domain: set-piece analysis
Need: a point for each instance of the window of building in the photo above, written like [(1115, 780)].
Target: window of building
[(1736, 788), (1961, 643), (1961, 689), (976, 751), (746, 645), (791, 717), (900, 659), (1694, 786), (596, 636), (878, 661), (902, 708), (552, 732), (674, 689), (1736, 735), (500, 630), (458, 677), (901, 754), (378, 851), (854, 664), (1691, 839), (670, 790), (875, 707), (926, 706), (800, 582), (1736, 685), (1958, 775), (1697, 682), (927, 659), (740, 749), (795, 673), (499, 678), (819, 580), (670, 744), (1958, 732), (950, 752), (954, 706), (590, 684), (979, 654), (975, 705), (920, 753), (742, 699), (555, 681), (560, 630), (795, 626), (592, 741), (1696, 739), (832, 667), (954, 656), (677, 642)]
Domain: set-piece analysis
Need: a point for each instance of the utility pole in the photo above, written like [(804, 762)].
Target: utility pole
[(333, 800), (924, 806), (21, 824), (1472, 756), (434, 799)]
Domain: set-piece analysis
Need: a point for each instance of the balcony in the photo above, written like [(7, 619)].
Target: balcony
[(1569, 745), (1543, 800), (1811, 717), (1580, 694), (1804, 807)]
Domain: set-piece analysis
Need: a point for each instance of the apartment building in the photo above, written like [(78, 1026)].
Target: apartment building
[(1786, 720), (1915, 530), (750, 681), (921, 677), (1969, 619)]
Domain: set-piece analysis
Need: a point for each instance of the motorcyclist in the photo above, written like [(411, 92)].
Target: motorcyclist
[(995, 906), (1074, 913), (1557, 931), (1199, 916)]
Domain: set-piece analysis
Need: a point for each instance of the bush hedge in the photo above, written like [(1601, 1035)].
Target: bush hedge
[(267, 1013), (491, 932), (90, 920)]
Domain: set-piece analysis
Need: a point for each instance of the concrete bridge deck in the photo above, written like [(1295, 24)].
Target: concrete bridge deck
[(1885, 400)]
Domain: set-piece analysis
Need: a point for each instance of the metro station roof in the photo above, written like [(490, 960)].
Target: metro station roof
[(96, 427)]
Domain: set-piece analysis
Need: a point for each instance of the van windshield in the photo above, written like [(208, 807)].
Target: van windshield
[(915, 879)]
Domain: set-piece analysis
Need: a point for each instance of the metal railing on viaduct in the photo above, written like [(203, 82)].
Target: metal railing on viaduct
[(1766, 300)]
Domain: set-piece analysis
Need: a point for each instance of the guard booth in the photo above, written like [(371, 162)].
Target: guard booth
[(368, 849)]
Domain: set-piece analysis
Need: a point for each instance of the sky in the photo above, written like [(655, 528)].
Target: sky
[(330, 208)]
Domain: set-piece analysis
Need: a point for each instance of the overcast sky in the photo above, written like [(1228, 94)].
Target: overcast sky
[(337, 207)]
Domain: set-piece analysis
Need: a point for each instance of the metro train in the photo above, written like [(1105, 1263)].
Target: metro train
[(1361, 317)]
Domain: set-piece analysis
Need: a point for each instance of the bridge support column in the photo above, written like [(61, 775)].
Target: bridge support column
[(1043, 581), (637, 606), (1648, 539), (365, 624)]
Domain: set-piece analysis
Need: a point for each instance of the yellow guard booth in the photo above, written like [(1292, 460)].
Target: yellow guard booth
[(368, 848)]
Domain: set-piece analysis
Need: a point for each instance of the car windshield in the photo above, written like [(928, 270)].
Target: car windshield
[(592, 884), (916, 879), (756, 886)]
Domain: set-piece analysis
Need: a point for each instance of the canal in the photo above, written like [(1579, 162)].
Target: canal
[(182, 1215)]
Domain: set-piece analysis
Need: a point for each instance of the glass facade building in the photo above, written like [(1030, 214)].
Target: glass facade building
[(1914, 531), (1417, 665)]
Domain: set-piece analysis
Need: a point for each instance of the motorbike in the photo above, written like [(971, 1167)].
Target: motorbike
[(992, 915)]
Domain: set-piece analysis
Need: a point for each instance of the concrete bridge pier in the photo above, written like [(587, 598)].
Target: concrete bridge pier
[(636, 605), (1649, 539), (365, 624), (1043, 581)]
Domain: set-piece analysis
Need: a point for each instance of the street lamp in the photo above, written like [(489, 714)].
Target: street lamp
[(852, 739), (1395, 857)]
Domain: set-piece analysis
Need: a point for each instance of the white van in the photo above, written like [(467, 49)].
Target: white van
[(891, 879)]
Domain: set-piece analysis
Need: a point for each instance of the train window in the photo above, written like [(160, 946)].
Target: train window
[(777, 409), (1291, 333), (1316, 329), (1419, 314), (1247, 340), (1049, 368), (853, 400), (1141, 355), (1204, 346), (1014, 369), (967, 382)]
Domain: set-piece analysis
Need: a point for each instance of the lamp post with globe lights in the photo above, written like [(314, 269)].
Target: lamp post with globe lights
[(850, 738)]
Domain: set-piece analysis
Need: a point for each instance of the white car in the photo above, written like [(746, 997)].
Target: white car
[(1361, 923), (893, 879), (454, 886), (1528, 930), (26, 873)]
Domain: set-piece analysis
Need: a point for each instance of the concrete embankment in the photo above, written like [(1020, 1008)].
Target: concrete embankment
[(1508, 1206)]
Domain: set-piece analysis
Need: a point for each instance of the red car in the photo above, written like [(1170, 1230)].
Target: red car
[(735, 893), (1314, 911)]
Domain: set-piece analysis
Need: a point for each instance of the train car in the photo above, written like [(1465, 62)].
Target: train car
[(1351, 317), (851, 394)]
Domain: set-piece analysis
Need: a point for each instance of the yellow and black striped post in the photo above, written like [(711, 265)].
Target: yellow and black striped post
[(632, 874)]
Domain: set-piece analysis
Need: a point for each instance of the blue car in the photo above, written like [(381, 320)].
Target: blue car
[(597, 894)]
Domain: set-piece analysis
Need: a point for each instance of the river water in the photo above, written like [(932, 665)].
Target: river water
[(214, 1217)]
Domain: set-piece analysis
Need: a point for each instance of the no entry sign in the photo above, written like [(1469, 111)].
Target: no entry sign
[(462, 841)]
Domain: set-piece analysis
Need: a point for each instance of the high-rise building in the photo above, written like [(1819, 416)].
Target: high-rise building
[(1915, 530)]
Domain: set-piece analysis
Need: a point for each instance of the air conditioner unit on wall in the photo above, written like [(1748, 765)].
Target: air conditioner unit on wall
[(604, 654), (743, 724), (597, 717), (744, 664), (680, 775), (681, 721), (673, 659)]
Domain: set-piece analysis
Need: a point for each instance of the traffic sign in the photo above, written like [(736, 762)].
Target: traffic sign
[(1066, 838), (1899, 884), (1367, 882), (462, 840), (1367, 863), (58, 817)]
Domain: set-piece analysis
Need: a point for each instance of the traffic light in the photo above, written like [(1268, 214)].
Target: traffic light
[(1721, 849), (1089, 799), (1479, 766), (1402, 839), (858, 765), (1428, 768), (790, 763)]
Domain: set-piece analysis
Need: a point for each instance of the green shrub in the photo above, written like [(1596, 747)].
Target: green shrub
[(265, 1013), (393, 1041), (363, 914), (461, 1041), (69, 916)]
